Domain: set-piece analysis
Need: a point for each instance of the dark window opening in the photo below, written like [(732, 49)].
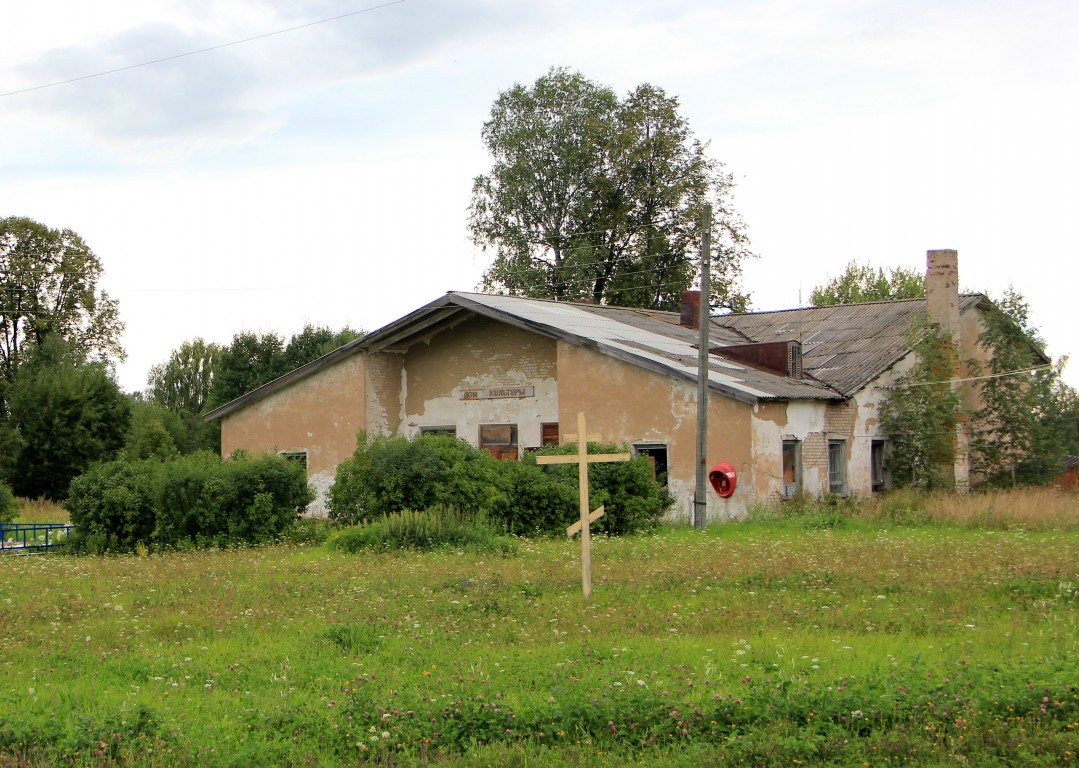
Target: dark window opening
[(837, 467), (549, 434), (445, 430), (657, 457), (300, 457), (792, 468), (876, 467)]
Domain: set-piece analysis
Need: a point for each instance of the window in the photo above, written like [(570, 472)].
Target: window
[(300, 457), (792, 468), (445, 430), (499, 440), (549, 434), (657, 456), (876, 466), (837, 467)]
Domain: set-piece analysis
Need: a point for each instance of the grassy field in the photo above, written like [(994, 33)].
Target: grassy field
[(804, 641)]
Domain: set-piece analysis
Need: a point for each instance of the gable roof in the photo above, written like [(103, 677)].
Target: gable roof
[(846, 345), (843, 347)]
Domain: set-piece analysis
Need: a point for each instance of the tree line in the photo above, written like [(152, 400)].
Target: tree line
[(61, 409)]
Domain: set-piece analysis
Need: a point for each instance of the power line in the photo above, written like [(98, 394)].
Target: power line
[(1020, 372), (203, 50)]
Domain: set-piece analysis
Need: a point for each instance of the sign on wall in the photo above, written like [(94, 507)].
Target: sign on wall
[(495, 393)]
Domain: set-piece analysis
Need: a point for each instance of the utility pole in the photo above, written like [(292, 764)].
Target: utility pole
[(700, 500)]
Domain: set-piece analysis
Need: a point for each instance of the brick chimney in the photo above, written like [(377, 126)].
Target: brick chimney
[(691, 310), (942, 290), (942, 308)]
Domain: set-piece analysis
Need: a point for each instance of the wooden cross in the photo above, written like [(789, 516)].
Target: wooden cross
[(582, 459)]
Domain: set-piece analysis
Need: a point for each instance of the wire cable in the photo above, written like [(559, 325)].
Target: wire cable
[(203, 50)]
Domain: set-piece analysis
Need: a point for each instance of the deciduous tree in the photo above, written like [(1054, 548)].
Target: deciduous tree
[(920, 413), (1014, 439), (69, 413), (861, 283), (593, 197), (182, 383), (49, 286)]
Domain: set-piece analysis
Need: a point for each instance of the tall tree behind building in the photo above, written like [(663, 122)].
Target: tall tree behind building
[(48, 286), (593, 197), (860, 283), (1014, 438)]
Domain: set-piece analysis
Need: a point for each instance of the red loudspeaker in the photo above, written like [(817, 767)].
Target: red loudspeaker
[(724, 479)]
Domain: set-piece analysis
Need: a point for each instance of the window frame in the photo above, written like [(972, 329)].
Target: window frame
[(878, 475), (298, 455), (792, 489), (443, 429), (501, 451), (837, 470), (653, 451)]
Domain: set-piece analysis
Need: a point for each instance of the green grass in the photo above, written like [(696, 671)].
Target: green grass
[(745, 644), (41, 511)]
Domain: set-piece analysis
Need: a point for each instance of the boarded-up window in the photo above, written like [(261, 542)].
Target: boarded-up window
[(499, 440), (549, 434)]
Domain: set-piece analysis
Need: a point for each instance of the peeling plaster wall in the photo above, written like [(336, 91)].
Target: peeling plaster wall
[(480, 354), (802, 420), (382, 376), (320, 415), (625, 403)]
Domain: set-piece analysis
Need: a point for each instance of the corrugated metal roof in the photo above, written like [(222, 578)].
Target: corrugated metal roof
[(846, 345), (650, 338), (843, 347)]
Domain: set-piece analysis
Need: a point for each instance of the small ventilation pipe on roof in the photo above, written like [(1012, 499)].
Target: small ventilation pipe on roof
[(691, 310)]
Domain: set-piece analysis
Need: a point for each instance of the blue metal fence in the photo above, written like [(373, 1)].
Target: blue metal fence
[(32, 537)]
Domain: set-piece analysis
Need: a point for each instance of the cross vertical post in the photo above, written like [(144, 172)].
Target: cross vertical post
[(582, 459)]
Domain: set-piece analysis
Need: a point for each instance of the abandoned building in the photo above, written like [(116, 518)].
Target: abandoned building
[(793, 395)]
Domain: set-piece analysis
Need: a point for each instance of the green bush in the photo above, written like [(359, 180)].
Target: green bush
[(189, 499), (535, 501), (631, 497), (194, 500), (263, 497), (393, 474), (434, 528), (9, 507), (112, 506)]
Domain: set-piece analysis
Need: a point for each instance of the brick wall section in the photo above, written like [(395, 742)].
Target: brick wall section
[(815, 451), (839, 418)]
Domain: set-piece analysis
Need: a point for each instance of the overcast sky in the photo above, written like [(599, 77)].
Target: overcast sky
[(323, 175)]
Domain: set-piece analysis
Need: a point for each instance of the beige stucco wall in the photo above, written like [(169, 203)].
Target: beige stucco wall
[(623, 402), (479, 354), (320, 414)]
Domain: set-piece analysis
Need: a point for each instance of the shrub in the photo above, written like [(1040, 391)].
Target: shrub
[(9, 507), (262, 497), (113, 505), (391, 474), (435, 528), (630, 495), (195, 500), (535, 501)]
